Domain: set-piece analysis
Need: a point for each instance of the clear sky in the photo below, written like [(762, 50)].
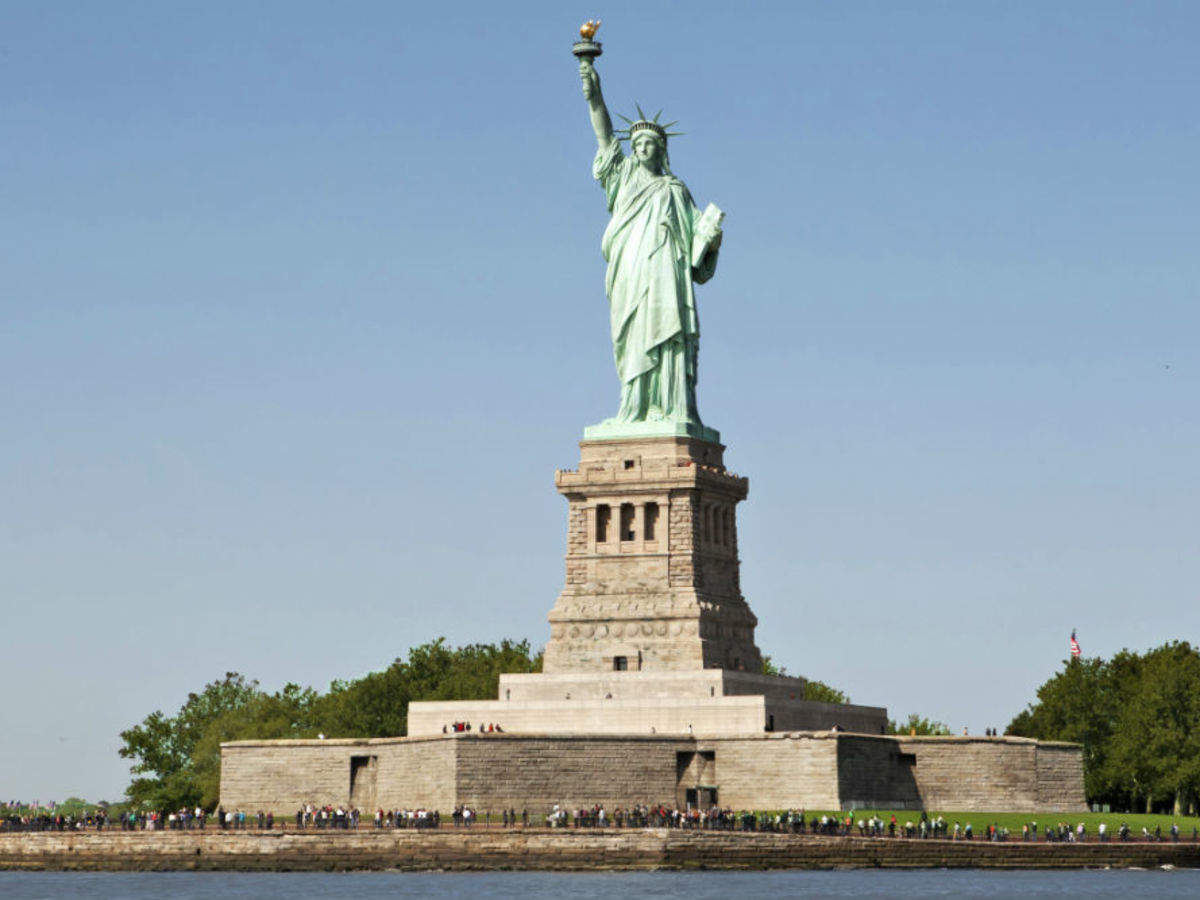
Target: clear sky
[(301, 305)]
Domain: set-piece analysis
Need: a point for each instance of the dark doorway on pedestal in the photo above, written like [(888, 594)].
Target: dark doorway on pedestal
[(362, 781)]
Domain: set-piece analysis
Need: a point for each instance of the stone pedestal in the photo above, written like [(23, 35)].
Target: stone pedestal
[(653, 689), (652, 567), (651, 634)]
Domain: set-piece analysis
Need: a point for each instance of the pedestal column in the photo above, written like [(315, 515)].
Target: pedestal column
[(675, 601)]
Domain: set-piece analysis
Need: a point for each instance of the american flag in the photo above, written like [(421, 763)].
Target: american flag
[(1075, 651)]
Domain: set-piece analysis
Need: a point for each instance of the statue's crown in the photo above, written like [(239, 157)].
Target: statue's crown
[(645, 123)]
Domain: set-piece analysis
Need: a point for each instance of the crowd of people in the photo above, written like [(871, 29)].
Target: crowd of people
[(484, 727), (238, 820), (344, 817), (655, 816), (54, 822), (311, 815), (844, 825)]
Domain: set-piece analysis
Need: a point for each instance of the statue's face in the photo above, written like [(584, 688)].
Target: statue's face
[(649, 151)]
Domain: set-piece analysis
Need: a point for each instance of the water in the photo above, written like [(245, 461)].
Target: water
[(860, 883)]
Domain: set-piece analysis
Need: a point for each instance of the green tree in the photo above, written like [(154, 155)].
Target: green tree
[(377, 704), (1156, 739), (823, 693), (769, 667), (1138, 719), (161, 746), (813, 689), (915, 724), (292, 712)]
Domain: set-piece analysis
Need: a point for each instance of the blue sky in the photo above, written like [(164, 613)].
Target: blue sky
[(301, 305)]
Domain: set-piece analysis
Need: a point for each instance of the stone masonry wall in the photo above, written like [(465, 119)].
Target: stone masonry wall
[(415, 774), (873, 773), (1060, 776), (479, 849), (591, 718), (577, 542), (683, 525), (281, 776), (536, 773), (969, 774), (814, 770), (775, 772), (802, 715)]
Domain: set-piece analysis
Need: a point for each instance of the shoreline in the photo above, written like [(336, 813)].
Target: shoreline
[(554, 850)]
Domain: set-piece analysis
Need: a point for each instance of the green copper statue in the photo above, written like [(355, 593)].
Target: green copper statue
[(658, 246)]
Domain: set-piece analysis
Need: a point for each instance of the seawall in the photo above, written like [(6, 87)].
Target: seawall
[(482, 849)]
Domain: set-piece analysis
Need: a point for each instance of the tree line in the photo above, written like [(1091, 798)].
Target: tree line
[(1137, 716), (177, 759)]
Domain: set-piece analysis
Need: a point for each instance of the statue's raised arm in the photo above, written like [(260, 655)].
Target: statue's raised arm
[(601, 121)]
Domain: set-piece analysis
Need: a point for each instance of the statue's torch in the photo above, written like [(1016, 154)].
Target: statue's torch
[(586, 48)]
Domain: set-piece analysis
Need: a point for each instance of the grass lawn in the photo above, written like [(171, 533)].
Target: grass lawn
[(1014, 820)]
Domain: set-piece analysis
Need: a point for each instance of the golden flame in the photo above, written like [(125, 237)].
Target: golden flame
[(587, 30)]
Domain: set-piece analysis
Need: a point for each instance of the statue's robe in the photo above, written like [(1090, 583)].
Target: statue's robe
[(648, 246)]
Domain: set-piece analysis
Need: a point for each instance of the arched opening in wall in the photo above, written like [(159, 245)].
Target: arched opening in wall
[(651, 527), (718, 526), (729, 527), (603, 515), (627, 526), (706, 522)]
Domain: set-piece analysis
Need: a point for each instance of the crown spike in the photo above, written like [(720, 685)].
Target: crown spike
[(645, 123)]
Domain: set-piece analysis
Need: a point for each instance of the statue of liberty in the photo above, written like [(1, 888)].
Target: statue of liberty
[(658, 246)]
